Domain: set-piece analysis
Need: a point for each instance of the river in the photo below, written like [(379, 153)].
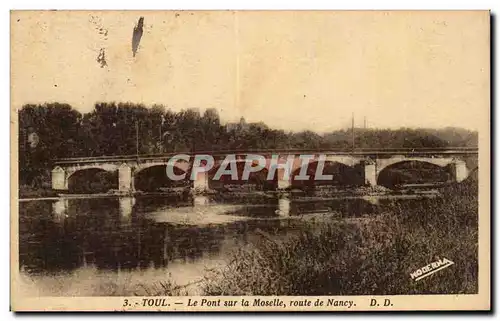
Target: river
[(129, 245)]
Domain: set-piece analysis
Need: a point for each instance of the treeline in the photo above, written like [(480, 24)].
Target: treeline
[(57, 130)]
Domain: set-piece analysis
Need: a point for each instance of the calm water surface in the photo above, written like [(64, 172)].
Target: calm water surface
[(116, 246)]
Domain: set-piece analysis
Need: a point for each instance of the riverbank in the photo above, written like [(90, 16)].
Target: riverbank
[(27, 193), (370, 256)]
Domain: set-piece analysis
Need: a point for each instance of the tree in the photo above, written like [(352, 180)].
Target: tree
[(55, 130)]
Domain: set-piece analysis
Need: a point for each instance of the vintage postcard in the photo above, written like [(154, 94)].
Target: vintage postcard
[(250, 160)]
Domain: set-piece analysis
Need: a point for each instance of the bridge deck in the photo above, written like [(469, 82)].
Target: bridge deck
[(222, 153)]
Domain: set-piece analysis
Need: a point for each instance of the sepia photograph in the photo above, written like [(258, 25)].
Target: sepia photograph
[(250, 160)]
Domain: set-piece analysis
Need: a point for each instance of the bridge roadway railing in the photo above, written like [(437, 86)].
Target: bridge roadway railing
[(370, 152)]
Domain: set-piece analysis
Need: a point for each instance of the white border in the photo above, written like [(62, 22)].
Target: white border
[(185, 4), (255, 4)]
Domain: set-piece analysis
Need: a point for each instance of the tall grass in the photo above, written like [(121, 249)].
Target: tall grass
[(367, 256)]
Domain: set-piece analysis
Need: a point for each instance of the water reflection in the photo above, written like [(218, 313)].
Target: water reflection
[(116, 234), (284, 207), (201, 200), (126, 205), (374, 200), (59, 210)]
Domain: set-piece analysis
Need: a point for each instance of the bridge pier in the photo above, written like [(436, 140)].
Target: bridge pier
[(284, 181), (461, 171), (200, 184), (125, 178), (371, 174), (59, 179)]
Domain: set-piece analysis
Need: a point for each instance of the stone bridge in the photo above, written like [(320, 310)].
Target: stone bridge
[(370, 163)]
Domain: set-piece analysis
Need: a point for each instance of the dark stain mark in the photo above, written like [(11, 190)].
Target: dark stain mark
[(18, 20), (101, 58), (137, 35), (55, 85), (103, 32), (97, 22), (177, 14)]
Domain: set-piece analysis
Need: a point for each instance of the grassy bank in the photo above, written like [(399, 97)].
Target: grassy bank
[(373, 255)]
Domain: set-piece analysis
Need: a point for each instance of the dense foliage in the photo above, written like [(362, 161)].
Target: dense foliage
[(57, 130)]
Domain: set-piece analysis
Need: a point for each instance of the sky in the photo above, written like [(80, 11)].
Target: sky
[(291, 70)]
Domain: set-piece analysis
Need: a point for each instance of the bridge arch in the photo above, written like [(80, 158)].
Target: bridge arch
[(400, 171), (70, 171), (91, 180), (385, 162), (153, 177), (344, 159), (344, 172), (182, 165)]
